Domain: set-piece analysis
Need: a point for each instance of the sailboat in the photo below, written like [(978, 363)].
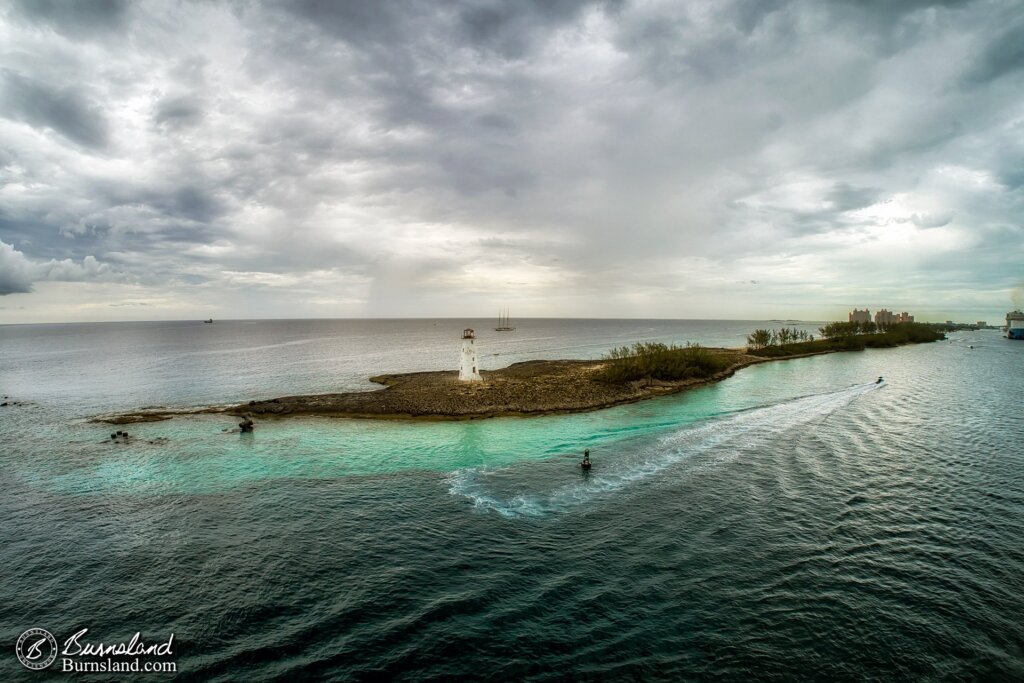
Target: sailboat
[(503, 325)]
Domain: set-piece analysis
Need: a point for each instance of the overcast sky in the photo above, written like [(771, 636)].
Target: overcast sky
[(751, 159)]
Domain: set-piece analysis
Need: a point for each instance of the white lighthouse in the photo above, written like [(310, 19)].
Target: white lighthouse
[(468, 371)]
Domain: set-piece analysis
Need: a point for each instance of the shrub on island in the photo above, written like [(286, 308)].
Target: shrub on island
[(655, 361), (840, 336)]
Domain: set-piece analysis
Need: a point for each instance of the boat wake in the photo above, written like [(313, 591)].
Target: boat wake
[(554, 486)]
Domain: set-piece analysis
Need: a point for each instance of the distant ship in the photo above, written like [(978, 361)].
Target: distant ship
[(1014, 325), (503, 325), (208, 321)]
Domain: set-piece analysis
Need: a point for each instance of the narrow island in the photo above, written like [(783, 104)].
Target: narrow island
[(543, 387)]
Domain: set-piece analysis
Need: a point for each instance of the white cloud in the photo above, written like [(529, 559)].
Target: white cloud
[(18, 273), (15, 271)]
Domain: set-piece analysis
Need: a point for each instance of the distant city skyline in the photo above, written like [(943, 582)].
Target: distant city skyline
[(703, 160)]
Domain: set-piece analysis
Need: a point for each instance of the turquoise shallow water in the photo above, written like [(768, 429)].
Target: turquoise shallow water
[(794, 521)]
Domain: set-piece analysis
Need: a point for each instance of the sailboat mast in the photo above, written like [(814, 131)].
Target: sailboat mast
[(503, 321)]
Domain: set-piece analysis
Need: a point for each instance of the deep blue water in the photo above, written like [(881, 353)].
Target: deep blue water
[(796, 521)]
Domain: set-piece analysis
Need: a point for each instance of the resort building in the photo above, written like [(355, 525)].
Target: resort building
[(860, 316), (887, 317)]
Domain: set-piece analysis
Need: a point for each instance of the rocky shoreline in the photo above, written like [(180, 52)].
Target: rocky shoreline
[(541, 387)]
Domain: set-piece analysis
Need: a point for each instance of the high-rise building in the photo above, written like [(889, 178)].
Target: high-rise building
[(860, 316)]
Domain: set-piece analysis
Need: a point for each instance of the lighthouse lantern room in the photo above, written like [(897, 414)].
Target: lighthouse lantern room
[(468, 370)]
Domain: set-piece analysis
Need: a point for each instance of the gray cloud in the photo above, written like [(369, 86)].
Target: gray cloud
[(357, 22), (509, 29), (77, 19), (998, 57), (184, 110), (18, 273), (417, 158), (69, 271), (65, 110), (1013, 175), (15, 275), (888, 10), (189, 202), (844, 197)]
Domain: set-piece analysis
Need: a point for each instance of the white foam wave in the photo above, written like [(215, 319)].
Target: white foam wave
[(507, 490)]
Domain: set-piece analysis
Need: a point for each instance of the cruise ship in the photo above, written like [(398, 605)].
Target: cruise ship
[(1014, 325)]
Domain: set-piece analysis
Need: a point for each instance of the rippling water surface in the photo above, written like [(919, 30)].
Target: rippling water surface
[(794, 521)]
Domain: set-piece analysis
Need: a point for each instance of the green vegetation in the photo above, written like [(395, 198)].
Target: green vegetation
[(840, 336), (761, 339), (653, 361), (839, 330)]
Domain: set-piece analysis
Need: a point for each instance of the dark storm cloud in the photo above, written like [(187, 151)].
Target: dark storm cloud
[(998, 57), (18, 273), (509, 29), (748, 15), (66, 110), (845, 197), (190, 202), (497, 122), (399, 57), (178, 199), (184, 110), (892, 26), (678, 46), (355, 21), (830, 214), (887, 10), (15, 272), (1012, 175), (506, 28), (22, 231), (75, 18)]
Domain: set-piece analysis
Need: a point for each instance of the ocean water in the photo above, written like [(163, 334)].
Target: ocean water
[(796, 521)]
